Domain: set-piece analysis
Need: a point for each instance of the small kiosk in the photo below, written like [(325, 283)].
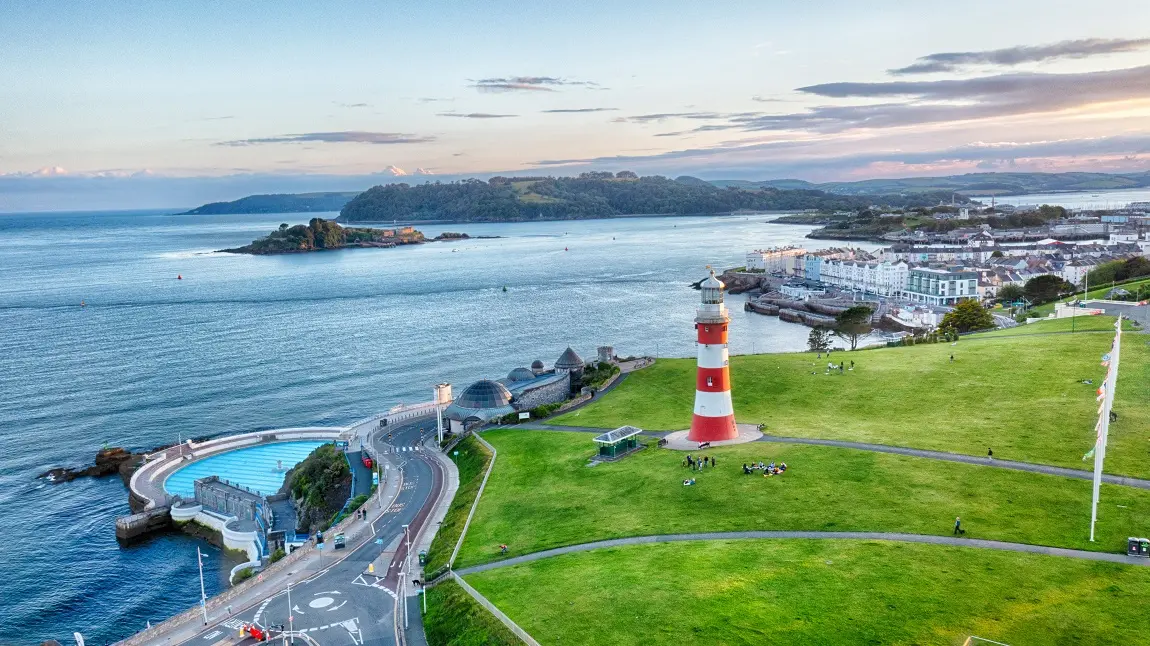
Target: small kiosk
[(618, 443)]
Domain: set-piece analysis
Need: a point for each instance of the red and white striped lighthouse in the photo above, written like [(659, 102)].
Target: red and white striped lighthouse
[(714, 418)]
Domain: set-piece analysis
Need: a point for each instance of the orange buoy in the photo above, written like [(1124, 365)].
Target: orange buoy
[(179, 276)]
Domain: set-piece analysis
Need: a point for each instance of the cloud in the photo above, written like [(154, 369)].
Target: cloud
[(578, 110), (348, 136), (476, 115), (700, 116), (423, 171), (527, 84), (352, 105), (827, 156), (1010, 56), (395, 171), (921, 102)]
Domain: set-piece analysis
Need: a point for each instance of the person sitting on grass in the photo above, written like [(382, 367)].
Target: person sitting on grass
[(746, 469), (688, 482), (782, 467)]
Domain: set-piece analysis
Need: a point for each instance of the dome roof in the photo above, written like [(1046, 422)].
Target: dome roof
[(569, 359), (521, 374), (484, 394), (710, 282), (537, 365)]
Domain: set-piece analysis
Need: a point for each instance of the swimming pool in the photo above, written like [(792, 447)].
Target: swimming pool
[(260, 467)]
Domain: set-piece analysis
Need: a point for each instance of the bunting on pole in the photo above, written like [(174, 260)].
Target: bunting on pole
[(1105, 397)]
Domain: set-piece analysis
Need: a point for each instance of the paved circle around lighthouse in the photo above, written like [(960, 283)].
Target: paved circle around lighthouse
[(679, 442)]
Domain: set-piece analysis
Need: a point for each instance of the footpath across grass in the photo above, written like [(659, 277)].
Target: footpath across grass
[(455, 619), (1020, 394), (542, 495), (820, 592), (472, 463)]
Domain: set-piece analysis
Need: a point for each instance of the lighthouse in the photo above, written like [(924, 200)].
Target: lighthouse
[(714, 417)]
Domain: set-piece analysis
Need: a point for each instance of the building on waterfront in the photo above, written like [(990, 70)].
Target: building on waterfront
[(941, 286), (521, 390), (881, 278), (714, 415), (777, 260), (812, 261)]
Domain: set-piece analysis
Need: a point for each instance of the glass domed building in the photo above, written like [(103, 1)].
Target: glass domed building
[(481, 402)]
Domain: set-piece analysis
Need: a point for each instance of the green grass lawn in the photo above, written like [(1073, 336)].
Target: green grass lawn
[(1020, 394), (542, 495), (455, 619), (820, 592), (1075, 324), (472, 463)]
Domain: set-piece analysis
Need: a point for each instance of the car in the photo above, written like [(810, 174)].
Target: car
[(340, 541)]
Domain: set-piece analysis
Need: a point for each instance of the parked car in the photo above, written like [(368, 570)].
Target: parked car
[(340, 542)]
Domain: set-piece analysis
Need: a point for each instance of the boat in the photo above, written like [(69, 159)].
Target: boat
[(179, 276)]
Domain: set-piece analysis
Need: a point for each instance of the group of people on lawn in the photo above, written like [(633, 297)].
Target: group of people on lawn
[(697, 464), (767, 469)]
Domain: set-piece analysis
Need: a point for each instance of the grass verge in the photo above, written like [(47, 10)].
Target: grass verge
[(1021, 395), (820, 592), (454, 619), (542, 495), (472, 463)]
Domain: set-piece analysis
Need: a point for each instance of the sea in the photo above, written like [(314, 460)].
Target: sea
[(1099, 200), (132, 329)]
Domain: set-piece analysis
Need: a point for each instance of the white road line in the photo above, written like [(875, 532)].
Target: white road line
[(213, 635)]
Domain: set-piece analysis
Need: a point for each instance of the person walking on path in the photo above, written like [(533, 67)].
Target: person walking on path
[(958, 526), (952, 358), (990, 454)]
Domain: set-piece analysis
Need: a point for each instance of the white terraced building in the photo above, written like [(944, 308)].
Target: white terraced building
[(880, 278), (785, 260)]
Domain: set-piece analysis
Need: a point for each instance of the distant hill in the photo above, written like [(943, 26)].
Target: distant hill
[(593, 195), (279, 203), (972, 184)]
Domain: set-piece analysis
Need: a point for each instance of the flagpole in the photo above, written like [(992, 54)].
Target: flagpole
[(1103, 426)]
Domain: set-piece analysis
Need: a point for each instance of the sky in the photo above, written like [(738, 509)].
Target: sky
[(158, 104)]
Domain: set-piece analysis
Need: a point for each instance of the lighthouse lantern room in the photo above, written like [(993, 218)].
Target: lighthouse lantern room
[(714, 418)]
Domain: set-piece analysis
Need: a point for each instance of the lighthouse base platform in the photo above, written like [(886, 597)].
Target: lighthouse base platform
[(678, 440)]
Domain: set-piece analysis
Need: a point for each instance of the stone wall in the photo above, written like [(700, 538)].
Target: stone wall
[(547, 394)]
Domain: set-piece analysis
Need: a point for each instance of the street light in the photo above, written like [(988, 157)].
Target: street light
[(203, 595), (291, 618), (406, 565)]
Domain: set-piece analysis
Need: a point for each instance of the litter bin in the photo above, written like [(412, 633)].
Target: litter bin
[(1133, 546), (1144, 547)]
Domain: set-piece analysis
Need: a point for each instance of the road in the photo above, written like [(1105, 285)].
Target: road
[(344, 604)]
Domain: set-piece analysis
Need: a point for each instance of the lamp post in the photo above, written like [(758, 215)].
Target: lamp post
[(406, 565), (291, 618), (203, 594)]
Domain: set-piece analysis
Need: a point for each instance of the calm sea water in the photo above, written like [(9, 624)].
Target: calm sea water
[(1093, 200), (245, 343)]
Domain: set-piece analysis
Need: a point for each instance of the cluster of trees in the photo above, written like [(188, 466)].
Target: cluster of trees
[(1119, 270), (320, 473), (967, 316), (322, 234), (590, 195), (850, 325)]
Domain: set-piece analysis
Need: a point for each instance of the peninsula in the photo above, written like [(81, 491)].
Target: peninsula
[(320, 234)]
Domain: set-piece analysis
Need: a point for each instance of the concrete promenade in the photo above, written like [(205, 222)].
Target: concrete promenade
[(979, 543), (357, 607)]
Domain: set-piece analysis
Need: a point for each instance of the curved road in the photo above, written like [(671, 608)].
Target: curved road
[(344, 604), (873, 536)]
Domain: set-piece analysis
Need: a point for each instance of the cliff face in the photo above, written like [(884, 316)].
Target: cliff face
[(318, 487)]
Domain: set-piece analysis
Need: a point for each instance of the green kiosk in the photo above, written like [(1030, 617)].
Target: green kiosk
[(618, 443)]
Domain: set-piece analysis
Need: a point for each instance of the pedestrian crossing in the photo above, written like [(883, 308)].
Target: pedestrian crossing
[(405, 449)]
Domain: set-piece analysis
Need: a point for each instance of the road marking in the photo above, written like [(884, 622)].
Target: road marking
[(259, 612), (213, 635), (233, 623), (321, 602)]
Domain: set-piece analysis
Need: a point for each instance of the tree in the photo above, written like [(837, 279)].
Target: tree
[(997, 254), (853, 323), (967, 316), (819, 340), (1043, 289), (1009, 293)]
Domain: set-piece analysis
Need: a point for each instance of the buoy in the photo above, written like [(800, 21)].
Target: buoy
[(505, 288), (82, 303), (179, 276), (566, 249)]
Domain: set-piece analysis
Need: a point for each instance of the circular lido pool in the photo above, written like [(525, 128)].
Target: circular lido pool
[(260, 467)]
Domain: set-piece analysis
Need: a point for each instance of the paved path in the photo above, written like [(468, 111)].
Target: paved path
[(1047, 469), (869, 536)]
